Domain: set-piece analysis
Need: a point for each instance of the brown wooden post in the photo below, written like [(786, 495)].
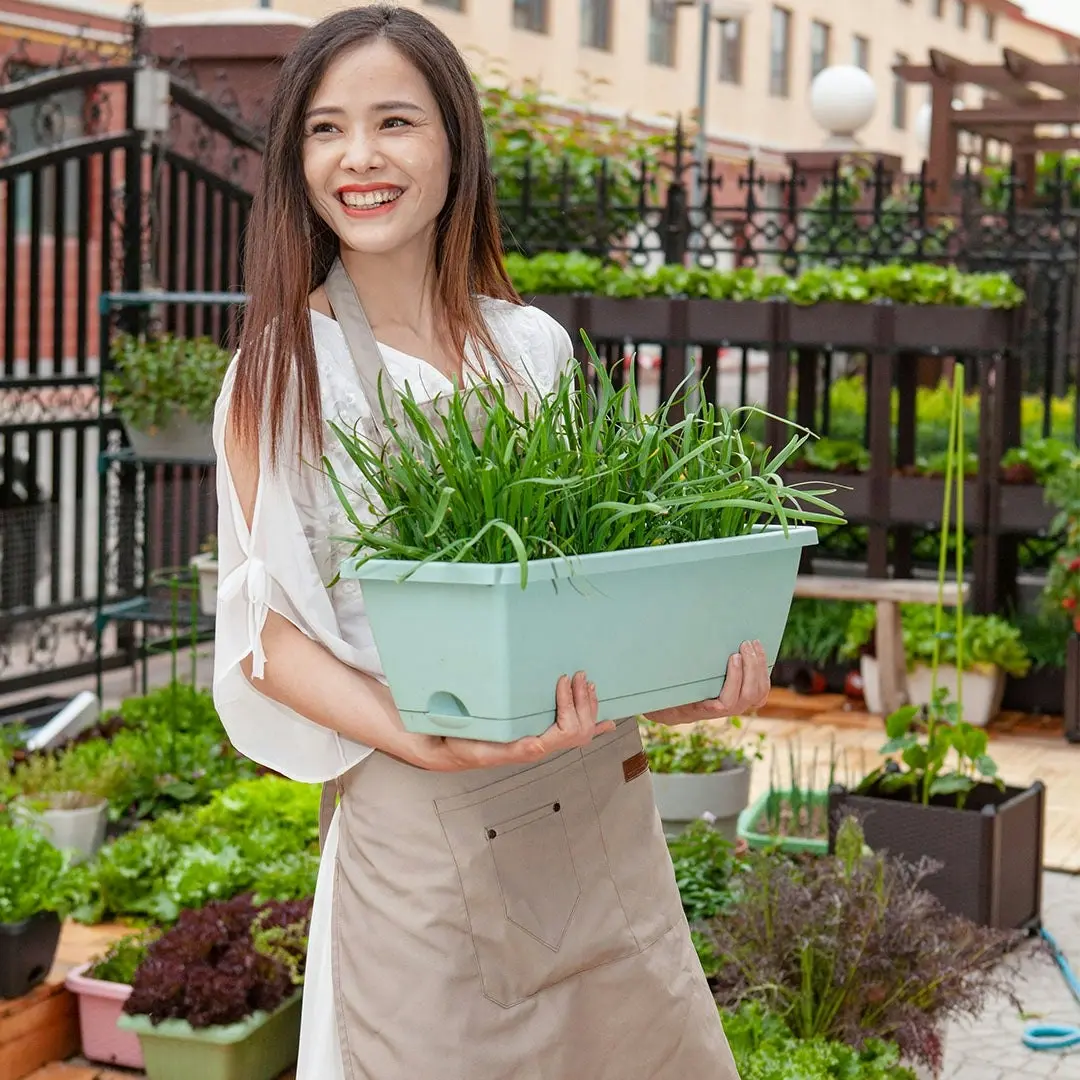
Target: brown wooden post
[(879, 412), (907, 377), (944, 145)]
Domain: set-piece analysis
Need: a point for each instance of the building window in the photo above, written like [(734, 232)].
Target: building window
[(662, 33), (596, 24), (860, 52), (820, 46), (731, 51), (531, 15), (900, 95), (989, 25), (780, 53), (450, 5), (962, 13)]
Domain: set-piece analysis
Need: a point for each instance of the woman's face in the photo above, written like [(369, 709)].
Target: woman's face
[(375, 153)]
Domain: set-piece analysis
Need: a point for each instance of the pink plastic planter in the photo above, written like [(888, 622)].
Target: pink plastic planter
[(100, 1005)]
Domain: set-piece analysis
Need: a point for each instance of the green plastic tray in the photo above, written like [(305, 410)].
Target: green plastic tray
[(468, 652)]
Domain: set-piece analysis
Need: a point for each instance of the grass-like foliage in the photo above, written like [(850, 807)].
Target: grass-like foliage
[(578, 471)]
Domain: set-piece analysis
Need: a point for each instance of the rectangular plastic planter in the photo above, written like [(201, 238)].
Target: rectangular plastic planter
[(790, 845), (990, 853), (101, 1004), (261, 1047), (468, 652)]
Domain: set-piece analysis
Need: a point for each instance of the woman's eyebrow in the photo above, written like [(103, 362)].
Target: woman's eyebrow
[(381, 106)]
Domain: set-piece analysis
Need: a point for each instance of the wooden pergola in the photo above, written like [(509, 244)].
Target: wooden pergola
[(1024, 97)]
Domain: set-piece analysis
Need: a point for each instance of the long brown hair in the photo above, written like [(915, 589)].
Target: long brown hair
[(289, 249)]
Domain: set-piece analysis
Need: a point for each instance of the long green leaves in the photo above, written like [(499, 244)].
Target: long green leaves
[(579, 471)]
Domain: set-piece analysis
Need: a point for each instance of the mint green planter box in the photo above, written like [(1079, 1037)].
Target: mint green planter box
[(468, 652), (791, 845), (261, 1047)]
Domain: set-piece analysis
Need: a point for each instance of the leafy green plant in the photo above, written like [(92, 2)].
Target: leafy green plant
[(257, 835), (554, 273), (985, 640), (700, 748), (69, 779), (1061, 591), (816, 630), (153, 380), (797, 803), (1037, 461), (123, 957), (852, 948), (566, 175), (585, 470), (764, 1048), (705, 863), (32, 875)]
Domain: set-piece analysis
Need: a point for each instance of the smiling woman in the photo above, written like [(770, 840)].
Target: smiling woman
[(484, 910)]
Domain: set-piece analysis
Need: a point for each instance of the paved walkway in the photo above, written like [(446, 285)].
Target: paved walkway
[(990, 1048)]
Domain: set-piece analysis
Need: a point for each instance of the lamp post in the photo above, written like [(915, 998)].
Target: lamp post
[(720, 11)]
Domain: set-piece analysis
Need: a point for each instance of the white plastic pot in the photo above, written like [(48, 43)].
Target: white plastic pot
[(982, 689), (719, 798), (81, 831), (206, 566)]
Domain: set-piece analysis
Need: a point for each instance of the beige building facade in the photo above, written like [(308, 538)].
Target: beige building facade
[(643, 56)]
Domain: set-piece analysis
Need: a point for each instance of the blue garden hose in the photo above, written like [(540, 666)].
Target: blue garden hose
[(1055, 1036)]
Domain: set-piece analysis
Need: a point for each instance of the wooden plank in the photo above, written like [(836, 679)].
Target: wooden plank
[(37, 1029), (874, 590)]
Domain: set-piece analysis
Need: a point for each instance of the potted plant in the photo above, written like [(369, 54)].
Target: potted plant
[(699, 774), (165, 390), (535, 551), (65, 795), (851, 947), (809, 658), (217, 995), (206, 567), (792, 816), (32, 882), (939, 795), (101, 987), (991, 648)]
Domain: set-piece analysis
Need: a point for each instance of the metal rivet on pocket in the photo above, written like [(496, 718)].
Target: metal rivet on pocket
[(557, 807), (491, 834)]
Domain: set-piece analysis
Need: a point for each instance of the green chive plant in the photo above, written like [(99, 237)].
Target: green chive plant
[(932, 752), (579, 471)]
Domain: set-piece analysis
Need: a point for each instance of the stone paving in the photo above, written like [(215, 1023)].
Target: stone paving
[(990, 1048)]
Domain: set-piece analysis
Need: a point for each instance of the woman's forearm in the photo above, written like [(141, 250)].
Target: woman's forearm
[(307, 678)]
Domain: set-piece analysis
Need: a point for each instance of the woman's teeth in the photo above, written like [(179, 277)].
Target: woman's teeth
[(364, 200)]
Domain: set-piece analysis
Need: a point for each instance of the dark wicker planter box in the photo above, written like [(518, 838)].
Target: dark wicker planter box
[(1072, 689), (1041, 691), (794, 673), (921, 327), (563, 309), (918, 500), (641, 319), (990, 853), (824, 325), (852, 494), (724, 322), (1024, 509)]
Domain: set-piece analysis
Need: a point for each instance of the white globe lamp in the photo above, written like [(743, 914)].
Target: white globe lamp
[(842, 100)]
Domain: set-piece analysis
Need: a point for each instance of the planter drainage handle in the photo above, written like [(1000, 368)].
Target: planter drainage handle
[(448, 711)]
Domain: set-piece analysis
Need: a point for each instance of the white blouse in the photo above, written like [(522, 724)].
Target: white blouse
[(286, 560)]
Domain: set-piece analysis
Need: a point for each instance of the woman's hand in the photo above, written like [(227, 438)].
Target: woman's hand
[(576, 709), (746, 688)]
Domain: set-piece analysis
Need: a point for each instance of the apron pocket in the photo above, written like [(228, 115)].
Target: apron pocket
[(539, 896), (637, 851)]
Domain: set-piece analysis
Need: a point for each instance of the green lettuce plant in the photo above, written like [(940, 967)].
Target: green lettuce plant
[(700, 749), (32, 875)]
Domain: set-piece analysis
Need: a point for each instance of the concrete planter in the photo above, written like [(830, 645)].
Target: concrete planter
[(719, 797), (80, 830)]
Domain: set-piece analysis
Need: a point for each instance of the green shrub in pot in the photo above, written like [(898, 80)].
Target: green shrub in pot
[(700, 772), (33, 897), (165, 390)]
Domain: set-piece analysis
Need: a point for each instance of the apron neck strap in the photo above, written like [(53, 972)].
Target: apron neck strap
[(365, 352)]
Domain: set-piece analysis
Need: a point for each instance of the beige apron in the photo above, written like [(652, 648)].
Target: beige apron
[(519, 923)]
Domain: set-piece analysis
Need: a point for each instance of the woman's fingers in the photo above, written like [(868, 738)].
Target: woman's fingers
[(731, 692)]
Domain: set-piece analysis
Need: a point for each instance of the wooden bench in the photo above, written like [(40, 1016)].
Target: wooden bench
[(888, 594)]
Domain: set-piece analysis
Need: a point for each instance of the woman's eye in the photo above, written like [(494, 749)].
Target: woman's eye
[(322, 127), (395, 121)]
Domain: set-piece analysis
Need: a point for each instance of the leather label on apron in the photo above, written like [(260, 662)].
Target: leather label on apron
[(634, 766)]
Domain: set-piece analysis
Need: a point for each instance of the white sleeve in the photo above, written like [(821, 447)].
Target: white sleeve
[(270, 568)]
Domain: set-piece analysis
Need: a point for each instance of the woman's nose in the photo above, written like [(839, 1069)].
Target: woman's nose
[(361, 152)]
